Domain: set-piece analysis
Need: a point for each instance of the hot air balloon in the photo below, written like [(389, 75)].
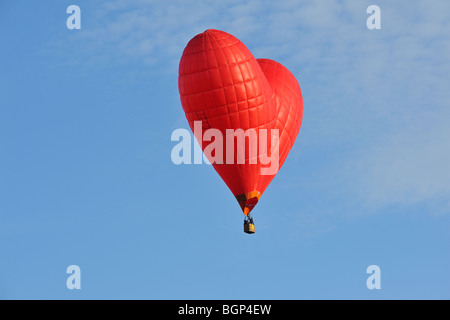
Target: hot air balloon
[(223, 87)]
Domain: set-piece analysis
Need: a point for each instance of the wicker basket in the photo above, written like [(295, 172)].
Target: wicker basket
[(249, 228)]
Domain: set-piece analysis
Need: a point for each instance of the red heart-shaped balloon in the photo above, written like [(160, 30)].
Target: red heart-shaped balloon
[(222, 85)]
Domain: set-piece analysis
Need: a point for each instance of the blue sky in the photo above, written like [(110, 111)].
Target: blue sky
[(86, 176)]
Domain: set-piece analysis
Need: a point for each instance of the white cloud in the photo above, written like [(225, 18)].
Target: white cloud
[(380, 96)]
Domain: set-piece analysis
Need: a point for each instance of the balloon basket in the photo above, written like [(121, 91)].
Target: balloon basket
[(249, 228)]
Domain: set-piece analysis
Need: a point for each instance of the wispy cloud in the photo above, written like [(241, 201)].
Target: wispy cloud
[(376, 102)]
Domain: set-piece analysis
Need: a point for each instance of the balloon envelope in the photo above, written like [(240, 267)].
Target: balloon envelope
[(222, 85)]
